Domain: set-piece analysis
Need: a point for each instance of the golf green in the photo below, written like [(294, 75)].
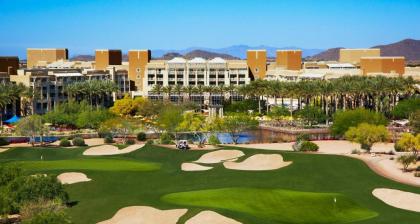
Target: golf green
[(300, 193), (275, 204)]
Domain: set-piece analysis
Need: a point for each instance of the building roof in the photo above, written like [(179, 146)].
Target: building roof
[(69, 74), (341, 65), (177, 60), (312, 76), (217, 60), (197, 60)]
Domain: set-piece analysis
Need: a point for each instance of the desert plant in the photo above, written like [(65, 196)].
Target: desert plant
[(307, 146), (165, 138), (367, 134), (65, 142), (406, 160), (108, 139), (130, 142), (141, 136), (3, 141), (213, 140), (78, 141)]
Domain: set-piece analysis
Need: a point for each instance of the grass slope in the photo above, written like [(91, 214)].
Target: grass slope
[(113, 189), (275, 204)]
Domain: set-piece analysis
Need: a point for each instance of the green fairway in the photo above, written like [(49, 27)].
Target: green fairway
[(90, 164), (277, 205), (300, 193)]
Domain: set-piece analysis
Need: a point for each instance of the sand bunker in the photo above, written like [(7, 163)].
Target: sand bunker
[(258, 162), (72, 178), (102, 150), (94, 141), (3, 150), (145, 215), (194, 167), (219, 156), (399, 199), (209, 217)]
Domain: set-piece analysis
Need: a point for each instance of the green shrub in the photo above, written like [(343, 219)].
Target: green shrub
[(49, 217), (165, 138), (26, 189), (213, 140), (108, 139), (78, 141), (417, 174), (307, 146), (405, 108), (65, 142), (3, 141), (150, 142), (130, 142), (342, 121), (303, 137), (8, 173), (141, 136)]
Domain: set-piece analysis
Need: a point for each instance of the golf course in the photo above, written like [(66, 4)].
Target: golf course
[(314, 188)]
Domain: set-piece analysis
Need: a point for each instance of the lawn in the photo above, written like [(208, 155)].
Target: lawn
[(300, 193)]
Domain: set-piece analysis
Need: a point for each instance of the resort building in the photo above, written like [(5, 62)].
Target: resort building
[(40, 57), (105, 58), (289, 59), (257, 63), (382, 65), (353, 56), (9, 65)]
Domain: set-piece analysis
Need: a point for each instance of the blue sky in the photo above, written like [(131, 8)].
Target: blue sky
[(83, 26)]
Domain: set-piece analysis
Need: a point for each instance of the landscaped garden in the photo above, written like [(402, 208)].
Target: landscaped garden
[(313, 189)]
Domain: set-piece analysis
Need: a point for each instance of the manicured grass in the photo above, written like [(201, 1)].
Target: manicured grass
[(324, 175), (90, 164), (275, 204)]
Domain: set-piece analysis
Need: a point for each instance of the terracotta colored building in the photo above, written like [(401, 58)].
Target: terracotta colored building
[(9, 65), (382, 65), (257, 63), (289, 59), (46, 55), (138, 59), (353, 56), (105, 58)]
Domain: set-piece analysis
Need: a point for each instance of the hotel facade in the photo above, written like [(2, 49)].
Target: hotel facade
[(49, 71)]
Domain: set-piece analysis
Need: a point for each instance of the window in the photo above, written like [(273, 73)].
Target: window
[(256, 69), (138, 70)]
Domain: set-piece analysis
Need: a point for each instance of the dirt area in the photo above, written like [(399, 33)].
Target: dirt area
[(219, 156), (102, 150), (194, 167), (258, 162), (399, 199), (210, 217), (72, 178), (145, 215)]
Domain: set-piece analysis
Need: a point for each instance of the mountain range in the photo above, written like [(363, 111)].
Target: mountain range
[(231, 52), (409, 48)]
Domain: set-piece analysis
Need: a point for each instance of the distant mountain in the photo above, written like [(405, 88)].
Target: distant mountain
[(171, 55), (237, 51), (331, 54), (408, 48), (83, 57)]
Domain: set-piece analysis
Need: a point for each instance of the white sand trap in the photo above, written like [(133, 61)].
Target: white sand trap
[(399, 199), (259, 162), (145, 215), (210, 217), (72, 178), (220, 156), (3, 149), (287, 146), (94, 141), (194, 167), (102, 150)]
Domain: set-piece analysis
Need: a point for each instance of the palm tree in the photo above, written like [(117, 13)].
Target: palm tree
[(168, 90), (190, 89), (178, 90)]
